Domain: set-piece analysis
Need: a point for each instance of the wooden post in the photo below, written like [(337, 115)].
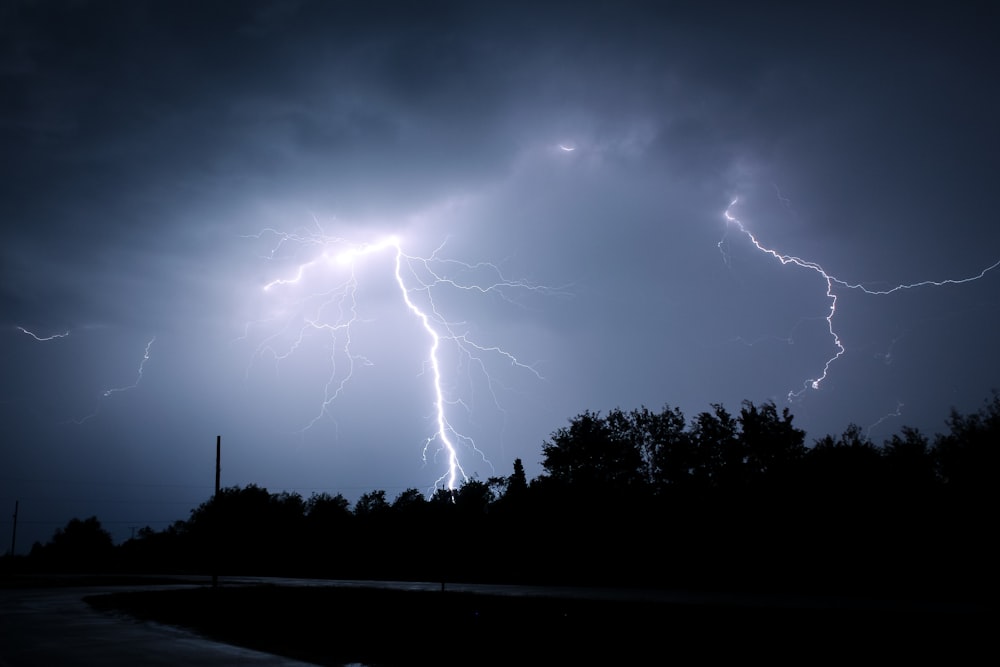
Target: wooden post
[(215, 519), (218, 463), (13, 536)]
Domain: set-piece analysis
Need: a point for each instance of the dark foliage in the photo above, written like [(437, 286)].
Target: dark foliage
[(725, 501), (82, 546)]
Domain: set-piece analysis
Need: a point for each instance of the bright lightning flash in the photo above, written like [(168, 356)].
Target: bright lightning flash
[(332, 308), (831, 282)]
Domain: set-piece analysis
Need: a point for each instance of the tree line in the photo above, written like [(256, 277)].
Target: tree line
[(723, 500)]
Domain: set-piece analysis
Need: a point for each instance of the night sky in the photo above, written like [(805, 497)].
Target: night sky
[(163, 162)]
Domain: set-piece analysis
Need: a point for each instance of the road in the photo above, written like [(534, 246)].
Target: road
[(47, 626), (54, 626)]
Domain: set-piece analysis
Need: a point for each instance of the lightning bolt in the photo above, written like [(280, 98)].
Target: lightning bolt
[(43, 338), (334, 310), (107, 393), (898, 412), (830, 281)]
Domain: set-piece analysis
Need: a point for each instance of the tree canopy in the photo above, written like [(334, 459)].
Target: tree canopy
[(721, 500), (654, 451)]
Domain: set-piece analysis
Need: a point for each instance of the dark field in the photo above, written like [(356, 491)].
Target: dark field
[(333, 626)]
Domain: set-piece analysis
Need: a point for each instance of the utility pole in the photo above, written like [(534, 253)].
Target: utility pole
[(218, 463), (13, 536), (215, 527)]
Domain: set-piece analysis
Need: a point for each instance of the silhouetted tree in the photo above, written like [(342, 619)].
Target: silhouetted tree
[(328, 530), (849, 465), (517, 483), (908, 460), (595, 454), (720, 453), (768, 441), (82, 546), (248, 529), (322, 509), (668, 453), (967, 456), (409, 501), (473, 498), (285, 521), (966, 459), (371, 505), (442, 498)]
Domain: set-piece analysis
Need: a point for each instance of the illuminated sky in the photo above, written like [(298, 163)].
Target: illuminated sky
[(157, 154)]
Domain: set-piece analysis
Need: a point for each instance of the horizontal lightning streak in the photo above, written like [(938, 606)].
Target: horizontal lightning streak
[(43, 338)]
